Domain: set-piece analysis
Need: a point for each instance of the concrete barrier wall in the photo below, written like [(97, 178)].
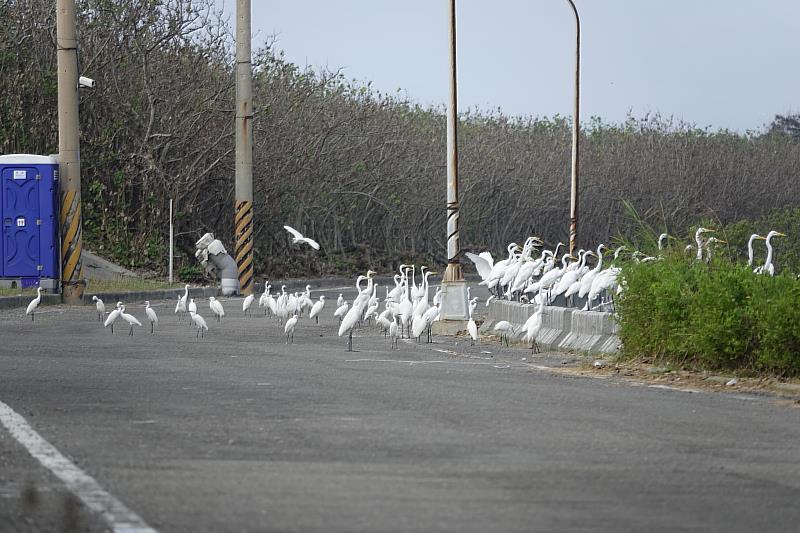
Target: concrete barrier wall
[(562, 328)]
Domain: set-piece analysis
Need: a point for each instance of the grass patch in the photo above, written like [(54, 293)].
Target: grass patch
[(122, 284)]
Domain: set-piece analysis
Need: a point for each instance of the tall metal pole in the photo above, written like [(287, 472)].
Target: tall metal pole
[(576, 124), (171, 241), (453, 272), (69, 164), (243, 219), (455, 312)]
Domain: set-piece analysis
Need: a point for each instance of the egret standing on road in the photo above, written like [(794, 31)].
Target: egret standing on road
[(112, 317), (151, 316), (248, 301), (289, 327), (316, 309), (130, 319), (216, 308), (34, 303), (101, 308), (199, 323)]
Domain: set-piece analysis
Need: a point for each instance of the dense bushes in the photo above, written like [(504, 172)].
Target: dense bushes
[(717, 315)]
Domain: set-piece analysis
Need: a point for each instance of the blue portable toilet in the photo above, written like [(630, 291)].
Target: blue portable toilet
[(29, 248)]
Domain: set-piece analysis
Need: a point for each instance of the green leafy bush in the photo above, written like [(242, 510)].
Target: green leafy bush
[(717, 315)]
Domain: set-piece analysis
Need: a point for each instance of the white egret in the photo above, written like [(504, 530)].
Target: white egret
[(768, 267), (472, 328), (316, 309), (289, 327), (192, 307), (151, 316), (483, 263), (750, 255), (101, 308), (394, 332), (472, 305), (299, 238), (350, 320), (180, 308), (216, 308), (130, 319), (31, 310), (505, 329), (112, 317), (247, 302), (698, 238), (533, 325), (341, 311), (586, 279), (200, 324)]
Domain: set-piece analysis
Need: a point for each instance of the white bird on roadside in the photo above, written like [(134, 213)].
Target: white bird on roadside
[(341, 311), (192, 307), (299, 238), (505, 329), (394, 333), (339, 301), (247, 302), (31, 310), (289, 327), (112, 317), (151, 316), (533, 325), (483, 263), (101, 308), (130, 319), (350, 320), (216, 308), (472, 328), (200, 324), (472, 305), (316, 309), (180, 308)]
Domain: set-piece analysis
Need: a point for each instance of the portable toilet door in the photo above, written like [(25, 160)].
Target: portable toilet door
[(21, 222)]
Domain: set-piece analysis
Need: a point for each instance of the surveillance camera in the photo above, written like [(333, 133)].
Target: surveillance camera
[(84, 82)]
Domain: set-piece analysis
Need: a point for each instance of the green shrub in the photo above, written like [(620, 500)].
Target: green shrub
[(717, 315)]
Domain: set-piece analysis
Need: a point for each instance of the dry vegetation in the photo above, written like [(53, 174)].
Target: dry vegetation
[(362, 172)]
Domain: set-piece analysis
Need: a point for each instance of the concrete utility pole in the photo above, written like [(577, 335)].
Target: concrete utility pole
[(69, 164), (454, 288), (576, 125), (243, 220)]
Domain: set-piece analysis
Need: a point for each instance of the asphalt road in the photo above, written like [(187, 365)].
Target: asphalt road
[(241, 432)]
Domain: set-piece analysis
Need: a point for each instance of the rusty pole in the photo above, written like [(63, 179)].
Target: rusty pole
[(243, 218), (453, 272), (576, 125)]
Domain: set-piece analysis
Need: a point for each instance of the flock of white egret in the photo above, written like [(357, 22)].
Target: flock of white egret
[(408, 310)]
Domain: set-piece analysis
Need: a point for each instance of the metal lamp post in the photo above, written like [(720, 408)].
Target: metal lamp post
[(573, 204), (455, 309)]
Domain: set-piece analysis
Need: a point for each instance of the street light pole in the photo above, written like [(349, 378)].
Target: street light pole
[(69, 164), (454, 289), (243, 218), (573, 204)]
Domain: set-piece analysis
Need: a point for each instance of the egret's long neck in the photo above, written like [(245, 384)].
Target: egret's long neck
[(699, 242), (599, 264), (750, 251), (768, 262)]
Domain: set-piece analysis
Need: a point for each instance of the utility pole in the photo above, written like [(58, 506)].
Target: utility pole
[(576, 125), (69, 164), (243, 220), (454, 288)]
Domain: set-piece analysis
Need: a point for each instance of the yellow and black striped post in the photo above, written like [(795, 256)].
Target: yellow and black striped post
[(244, 245), (71, 246), (69, 164)]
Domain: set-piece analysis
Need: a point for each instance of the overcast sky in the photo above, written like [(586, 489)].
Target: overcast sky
[(719, 63)]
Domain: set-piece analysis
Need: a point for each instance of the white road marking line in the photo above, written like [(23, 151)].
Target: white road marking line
[(120, 518), (406, 362)]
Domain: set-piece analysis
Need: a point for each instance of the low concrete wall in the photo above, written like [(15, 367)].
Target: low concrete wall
[(562, 328)]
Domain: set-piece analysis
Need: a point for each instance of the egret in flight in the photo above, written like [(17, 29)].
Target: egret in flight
[(299, 238)]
